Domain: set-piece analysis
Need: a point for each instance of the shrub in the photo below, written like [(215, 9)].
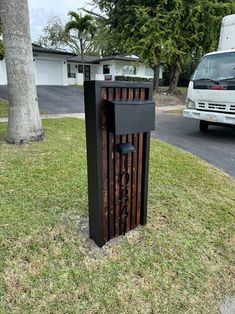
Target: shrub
[(132, 78)]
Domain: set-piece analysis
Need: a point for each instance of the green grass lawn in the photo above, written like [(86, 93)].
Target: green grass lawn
[(180, 262), (3, 108)]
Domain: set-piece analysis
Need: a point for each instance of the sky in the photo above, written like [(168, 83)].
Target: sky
[(40, 11)]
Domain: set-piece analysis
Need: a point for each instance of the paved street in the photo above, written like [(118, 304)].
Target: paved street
[(217, 146)]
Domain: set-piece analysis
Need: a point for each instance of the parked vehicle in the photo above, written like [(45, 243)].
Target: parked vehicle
[(211, 91)]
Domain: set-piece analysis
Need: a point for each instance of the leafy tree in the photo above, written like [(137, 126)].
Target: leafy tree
[(103, 41), (171, 31), (132, 29), (84, 27), (24, 123), (145, 37), (55, 37), (195, 29)]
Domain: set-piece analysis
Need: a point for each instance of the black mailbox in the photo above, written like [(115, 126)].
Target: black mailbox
[(119, 118), (130, 117)]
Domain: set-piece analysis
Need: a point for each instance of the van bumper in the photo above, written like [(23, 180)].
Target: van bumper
[(212, 117)]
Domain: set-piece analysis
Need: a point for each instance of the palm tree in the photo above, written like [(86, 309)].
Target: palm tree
[(24, 122), (84, 27)]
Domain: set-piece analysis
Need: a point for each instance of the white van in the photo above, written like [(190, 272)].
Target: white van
[(211, 91)]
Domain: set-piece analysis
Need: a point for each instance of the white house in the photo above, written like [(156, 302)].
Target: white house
[(54, 67), (50, 66), (107, 68)]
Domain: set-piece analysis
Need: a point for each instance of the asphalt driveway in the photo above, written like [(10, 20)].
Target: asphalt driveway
[(56, 99)]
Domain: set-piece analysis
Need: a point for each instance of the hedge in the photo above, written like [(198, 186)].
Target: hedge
[(132, 78)]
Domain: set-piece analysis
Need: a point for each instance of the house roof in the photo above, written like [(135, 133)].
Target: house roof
[(95, 59), (87, 59), (120, 57), (37, 48), (71, 57)]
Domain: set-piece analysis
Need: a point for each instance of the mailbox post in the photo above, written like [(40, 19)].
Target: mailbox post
[(119, 118)]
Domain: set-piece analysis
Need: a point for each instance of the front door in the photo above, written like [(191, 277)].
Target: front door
[(87, 69)]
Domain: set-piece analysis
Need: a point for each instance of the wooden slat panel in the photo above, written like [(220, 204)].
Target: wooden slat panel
[(130, 93), (122, 190), (104, 164), (110, 94), (117, 175), (103, 93), (117, 93), (137, 93), (140, 168), (114, 164), (134, 181), (139, 178), (124, 93), (142, 94), (133, 176), (111, 179), (117, 186), (129, 169), (111, 197)]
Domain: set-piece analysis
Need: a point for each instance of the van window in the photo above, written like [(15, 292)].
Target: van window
[(216, 67)]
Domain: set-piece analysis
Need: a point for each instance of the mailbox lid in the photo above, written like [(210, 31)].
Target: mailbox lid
[(131, 117)]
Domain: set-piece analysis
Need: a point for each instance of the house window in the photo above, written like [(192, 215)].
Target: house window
[(70, 75), (129, 70), (80, 70), (148, 71), (106, 69)]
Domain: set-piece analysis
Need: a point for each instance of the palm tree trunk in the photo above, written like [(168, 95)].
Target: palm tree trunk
[(24, 119), (83, 66)]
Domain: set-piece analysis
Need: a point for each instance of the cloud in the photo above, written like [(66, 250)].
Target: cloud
[(41, 11)]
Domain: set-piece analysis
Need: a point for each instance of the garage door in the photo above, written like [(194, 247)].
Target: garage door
[(49, 72)]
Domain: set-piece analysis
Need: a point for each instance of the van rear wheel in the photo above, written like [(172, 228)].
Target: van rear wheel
[(203, 126)]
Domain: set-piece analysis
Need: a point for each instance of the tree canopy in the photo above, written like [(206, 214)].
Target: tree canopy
[(56, 36), (83, 27), (166, 31)]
